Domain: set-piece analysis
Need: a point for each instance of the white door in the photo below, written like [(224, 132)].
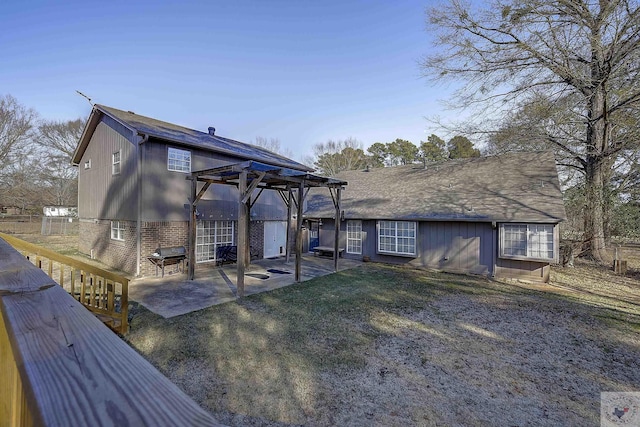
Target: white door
[(275, 237)]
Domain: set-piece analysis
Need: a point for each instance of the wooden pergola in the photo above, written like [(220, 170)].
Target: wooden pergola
[(248, 177)]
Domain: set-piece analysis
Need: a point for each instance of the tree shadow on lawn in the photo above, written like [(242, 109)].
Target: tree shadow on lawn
[(388, 345)]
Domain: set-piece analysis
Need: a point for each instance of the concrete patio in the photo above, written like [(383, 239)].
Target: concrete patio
[(174, 295)]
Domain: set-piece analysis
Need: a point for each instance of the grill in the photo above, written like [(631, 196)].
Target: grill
[(168, 256)]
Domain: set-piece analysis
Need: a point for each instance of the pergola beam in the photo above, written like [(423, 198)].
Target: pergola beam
[(201, 193), (252, 186), (249, 176)]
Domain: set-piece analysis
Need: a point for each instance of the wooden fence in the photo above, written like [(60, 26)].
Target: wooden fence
[(60, 366), (104, 293)]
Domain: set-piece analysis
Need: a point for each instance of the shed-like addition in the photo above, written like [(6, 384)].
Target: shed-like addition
[(496, 216)]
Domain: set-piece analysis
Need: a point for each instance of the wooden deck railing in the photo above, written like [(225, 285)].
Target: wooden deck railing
[(104, 293), (60, 366)]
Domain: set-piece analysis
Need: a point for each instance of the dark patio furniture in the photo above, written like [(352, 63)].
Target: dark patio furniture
[(230, 254), (326, 251)]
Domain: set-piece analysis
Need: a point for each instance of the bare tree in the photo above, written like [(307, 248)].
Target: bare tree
[(20, 185), (518, 55), (16, 124), (58, 141), (61, 138), (273, 145), (333, 157)]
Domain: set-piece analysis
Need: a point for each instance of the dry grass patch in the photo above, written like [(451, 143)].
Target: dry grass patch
[(381, 345)]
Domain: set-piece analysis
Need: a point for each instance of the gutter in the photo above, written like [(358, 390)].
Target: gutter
[(144, 139)]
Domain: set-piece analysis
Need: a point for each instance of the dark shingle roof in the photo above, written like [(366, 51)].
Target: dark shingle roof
[(509, 187), (193, 138)]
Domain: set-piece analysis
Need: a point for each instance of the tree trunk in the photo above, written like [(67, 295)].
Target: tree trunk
[(609, 200), (594, 242), (595, 174)]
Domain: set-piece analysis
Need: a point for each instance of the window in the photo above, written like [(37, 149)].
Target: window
[(115, 163), (87, 164), (209, 236), (397, 237), (527, 241), (179, 160), (354, 237), (117, 230)]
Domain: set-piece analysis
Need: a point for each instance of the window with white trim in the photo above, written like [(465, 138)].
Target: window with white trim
[(179, 160), (397, 237), (533, 241), (115, 163), (354, 237), (117, 230), (210, 235)]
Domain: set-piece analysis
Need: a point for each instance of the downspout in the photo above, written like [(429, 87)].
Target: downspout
[(144, 139), (495, 246)]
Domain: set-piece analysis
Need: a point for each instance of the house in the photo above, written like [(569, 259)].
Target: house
[(10, 210), (60, 211), (496, 216), (134, 189)]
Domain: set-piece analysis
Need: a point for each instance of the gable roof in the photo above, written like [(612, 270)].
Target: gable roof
[(181, 135), (512, 187)]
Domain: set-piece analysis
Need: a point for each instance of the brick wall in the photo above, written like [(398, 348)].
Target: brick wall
[(256, 238), (95, 239), (96, 235), (161, 234)]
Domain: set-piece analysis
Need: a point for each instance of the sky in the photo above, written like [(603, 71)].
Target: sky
[(300, 71)]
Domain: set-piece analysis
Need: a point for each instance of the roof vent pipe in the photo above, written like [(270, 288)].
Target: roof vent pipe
[(212, 130)]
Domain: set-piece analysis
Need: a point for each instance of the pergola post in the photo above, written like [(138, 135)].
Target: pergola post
[(192, 229), (336, 243), (299, 231), (247, 249), (195, 198), (288, 245), (242, 231)]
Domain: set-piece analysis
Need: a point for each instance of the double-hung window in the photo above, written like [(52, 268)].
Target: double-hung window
[(179, 160), (527, 241), (354, 237), (117, 230), (397, 237), (115, 163)]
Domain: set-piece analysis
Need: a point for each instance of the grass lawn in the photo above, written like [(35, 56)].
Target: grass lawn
[(383, 345)]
